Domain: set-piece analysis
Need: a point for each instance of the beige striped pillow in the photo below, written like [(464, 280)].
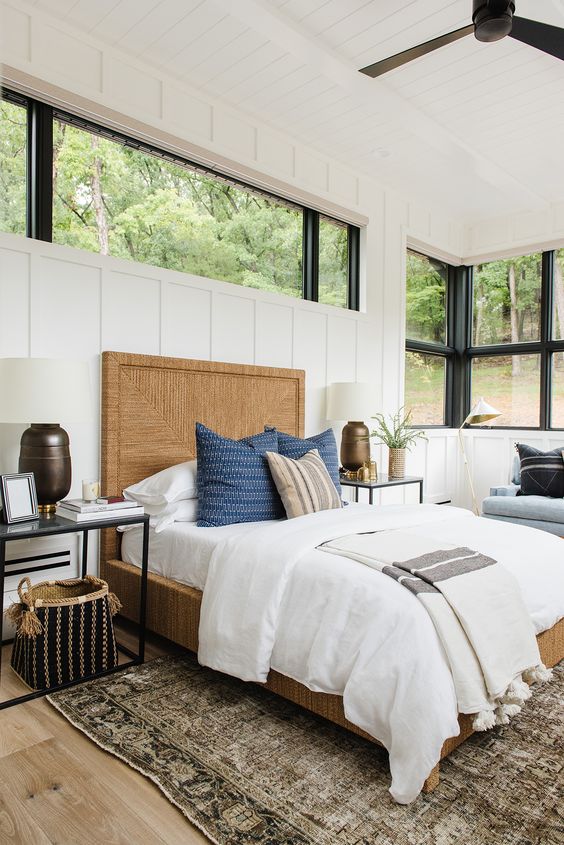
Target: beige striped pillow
[(304, 485)]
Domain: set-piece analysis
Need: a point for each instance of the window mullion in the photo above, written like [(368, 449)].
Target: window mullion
[(547, 292), (39, 171), (354, 267), (311, 255)]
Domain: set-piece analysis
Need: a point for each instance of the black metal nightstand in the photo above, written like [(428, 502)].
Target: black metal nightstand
[(48, 526), (382, 481)]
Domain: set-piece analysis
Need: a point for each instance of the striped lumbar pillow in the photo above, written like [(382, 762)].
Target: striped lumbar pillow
[(304, 484)]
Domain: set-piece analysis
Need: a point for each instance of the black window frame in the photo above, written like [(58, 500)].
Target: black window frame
[(453, 351), (545, 347), (39, 199)]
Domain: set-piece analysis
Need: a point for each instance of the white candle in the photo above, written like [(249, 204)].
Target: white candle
[(90, 490)]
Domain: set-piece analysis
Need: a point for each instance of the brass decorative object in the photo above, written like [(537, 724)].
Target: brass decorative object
[(373, 470), (45, 451), (355, 445), (363, 473)]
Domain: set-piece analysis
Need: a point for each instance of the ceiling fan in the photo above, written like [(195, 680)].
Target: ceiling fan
[(491, 21)]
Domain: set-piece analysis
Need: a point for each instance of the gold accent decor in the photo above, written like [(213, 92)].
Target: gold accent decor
[(363, 474), (46, 510), (355, 445)]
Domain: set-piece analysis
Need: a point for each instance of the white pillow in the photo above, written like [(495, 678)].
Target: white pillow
[(172, 484), (185, 511)]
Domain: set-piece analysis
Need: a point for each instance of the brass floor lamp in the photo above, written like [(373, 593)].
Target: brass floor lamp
[(480, 413)]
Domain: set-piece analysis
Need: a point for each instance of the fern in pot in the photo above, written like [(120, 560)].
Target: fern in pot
[(396, 433)]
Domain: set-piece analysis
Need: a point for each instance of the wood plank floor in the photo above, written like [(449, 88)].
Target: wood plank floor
[(56, 786)]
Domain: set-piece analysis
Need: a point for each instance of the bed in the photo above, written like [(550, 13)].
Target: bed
[(149, 407)]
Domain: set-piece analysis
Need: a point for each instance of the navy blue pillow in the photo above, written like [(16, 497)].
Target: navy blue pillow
[(542, 473), (234, 481), (296, 447)]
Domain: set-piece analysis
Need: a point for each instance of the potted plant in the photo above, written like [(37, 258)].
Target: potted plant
[(398, 435)]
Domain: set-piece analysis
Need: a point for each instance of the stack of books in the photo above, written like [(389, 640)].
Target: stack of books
[(109, 507)]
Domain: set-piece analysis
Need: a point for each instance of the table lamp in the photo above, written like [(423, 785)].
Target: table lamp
[(355, 402), (480, 413), (34, 389)]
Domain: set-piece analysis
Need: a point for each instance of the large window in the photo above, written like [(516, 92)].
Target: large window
[(428, 355), (517, 346), (494, 330), (98, 190)]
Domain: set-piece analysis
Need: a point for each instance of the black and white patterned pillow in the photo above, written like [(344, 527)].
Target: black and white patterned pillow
[(542, 473)]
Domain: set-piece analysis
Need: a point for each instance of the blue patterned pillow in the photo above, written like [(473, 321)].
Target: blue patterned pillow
[(234, 481), (296, 447)]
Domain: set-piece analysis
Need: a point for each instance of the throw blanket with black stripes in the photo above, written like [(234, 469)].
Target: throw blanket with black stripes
[(478, 612)]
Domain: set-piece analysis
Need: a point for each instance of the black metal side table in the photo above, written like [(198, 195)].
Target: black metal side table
[(382, 481), (48, 526)]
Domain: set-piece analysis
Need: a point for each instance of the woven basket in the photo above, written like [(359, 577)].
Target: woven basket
[(396, 463), (64, 631)]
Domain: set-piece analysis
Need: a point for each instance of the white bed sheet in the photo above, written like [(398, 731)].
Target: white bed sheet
[(182, 551)]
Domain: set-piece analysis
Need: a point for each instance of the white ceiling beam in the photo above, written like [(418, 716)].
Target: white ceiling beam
[(275, 26)]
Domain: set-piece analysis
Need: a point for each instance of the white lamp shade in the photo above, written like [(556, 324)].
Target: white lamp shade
[(481, 412), (350, 400), (44, 390)]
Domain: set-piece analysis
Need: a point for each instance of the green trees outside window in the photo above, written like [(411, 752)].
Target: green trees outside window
[(426, 286), (426, 326), (112, 199), (501, 336), (507, 301), (95, 189), (13, 165), (333, 262)]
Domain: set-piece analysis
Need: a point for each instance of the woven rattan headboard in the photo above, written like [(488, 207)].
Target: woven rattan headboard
[(150, 405)]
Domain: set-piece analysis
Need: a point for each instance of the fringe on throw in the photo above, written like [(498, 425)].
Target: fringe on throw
[(538, 674), (510, 703)]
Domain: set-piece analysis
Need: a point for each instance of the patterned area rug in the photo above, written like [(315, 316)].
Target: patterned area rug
[(247, 767)]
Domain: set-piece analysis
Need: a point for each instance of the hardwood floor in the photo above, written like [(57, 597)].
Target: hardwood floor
[(56, 786)]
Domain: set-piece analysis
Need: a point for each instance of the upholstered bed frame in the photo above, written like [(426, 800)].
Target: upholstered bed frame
[(149, 407)]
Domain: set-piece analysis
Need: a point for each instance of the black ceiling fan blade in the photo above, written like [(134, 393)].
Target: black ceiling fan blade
[(378, 68), (543, 36)]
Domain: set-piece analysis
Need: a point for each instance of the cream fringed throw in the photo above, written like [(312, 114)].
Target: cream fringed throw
[(478, 612), (304, 484)]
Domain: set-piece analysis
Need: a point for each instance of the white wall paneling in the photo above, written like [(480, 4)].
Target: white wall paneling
[(14, 302), (186, 321), (131, 312)]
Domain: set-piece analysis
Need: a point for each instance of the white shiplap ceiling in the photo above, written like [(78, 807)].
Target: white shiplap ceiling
[(476, 128)]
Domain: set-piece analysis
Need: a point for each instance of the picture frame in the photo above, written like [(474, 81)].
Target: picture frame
[(18, 497)]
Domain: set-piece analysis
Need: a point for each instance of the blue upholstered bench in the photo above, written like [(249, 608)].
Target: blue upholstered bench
[(542, 512)]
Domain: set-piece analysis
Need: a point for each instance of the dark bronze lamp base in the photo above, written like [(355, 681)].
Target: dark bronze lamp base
[(355, 445), (44, 451)]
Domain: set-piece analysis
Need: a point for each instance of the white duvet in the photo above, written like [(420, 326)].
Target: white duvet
[(272, 600)]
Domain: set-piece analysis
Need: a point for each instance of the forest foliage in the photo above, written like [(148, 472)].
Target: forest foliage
[(116, 200)]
